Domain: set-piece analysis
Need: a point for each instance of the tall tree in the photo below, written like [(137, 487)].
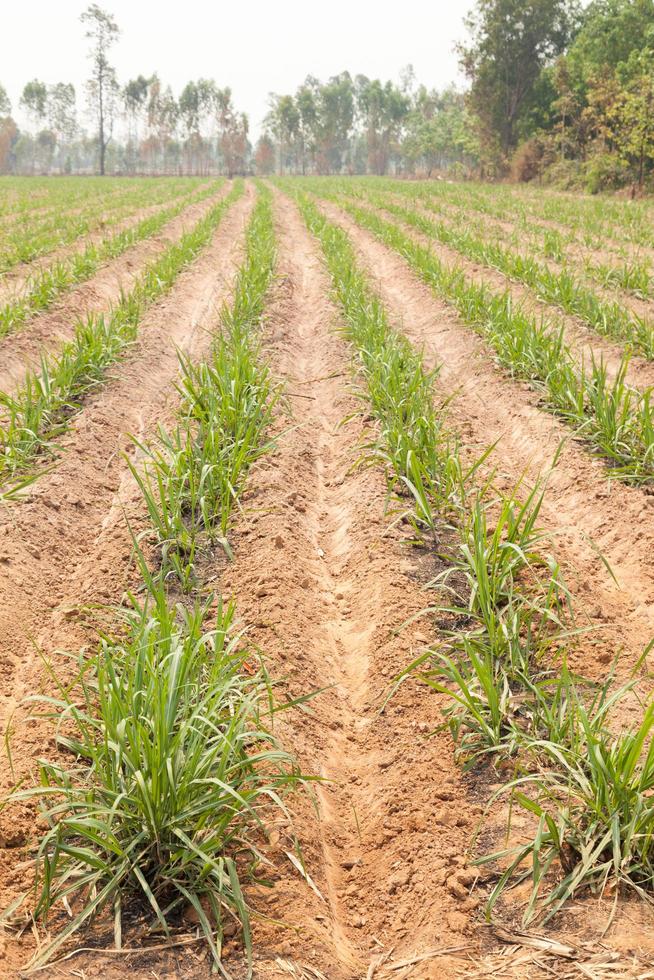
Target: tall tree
[(382, 109), (610, 31), (305, 100), (8, 131), (197, 105), (264, 155), (232, 132), (102, 87), (34, 100), (62, 111), (135, 98), (511, 42), (336, 113), (284, 122), (163, 115)]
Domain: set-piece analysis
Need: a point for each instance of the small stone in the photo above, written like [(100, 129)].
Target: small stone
[(467, 876), (399, 879)]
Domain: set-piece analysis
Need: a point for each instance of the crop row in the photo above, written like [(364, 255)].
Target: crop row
[(27, 241), (614, 418), (25, 196), (596, 221), (39, 411), (170, 768), (42, 289), (632, 274), (500, 665), (559, 287)]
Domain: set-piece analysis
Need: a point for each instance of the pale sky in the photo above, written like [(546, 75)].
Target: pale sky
[(256, 47)]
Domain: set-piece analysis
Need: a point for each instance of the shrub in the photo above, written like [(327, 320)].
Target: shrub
[(605, 172), (527, 161)]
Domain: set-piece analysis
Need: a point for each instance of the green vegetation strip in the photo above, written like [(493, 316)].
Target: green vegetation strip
[(560, 288), (44, 288), (191, 478), (176, 770), (613, 417), (596, 221), (38, 412), (504, 621), (631, 274), (25, 241)]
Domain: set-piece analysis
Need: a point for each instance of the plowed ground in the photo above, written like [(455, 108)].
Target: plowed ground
[(325, 584)]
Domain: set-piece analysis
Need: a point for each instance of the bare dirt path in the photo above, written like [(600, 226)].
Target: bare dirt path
[(67, 548), (48, 330), (584, 509), (640, 307), (13, 282), (323, 586), (582, 339)]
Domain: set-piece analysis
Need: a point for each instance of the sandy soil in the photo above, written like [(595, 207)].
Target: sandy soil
[(13, 282), (487, 406), (581, 339), (67, 547), (48, 330), (325, 584)]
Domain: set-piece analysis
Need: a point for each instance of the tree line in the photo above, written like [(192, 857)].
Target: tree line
[(361, 125), (556, 91), (343, 125), (139, 127), (563, 92)]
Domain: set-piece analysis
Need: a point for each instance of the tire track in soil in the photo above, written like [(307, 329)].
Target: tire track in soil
[(48, 330), (582, 505), (323, 585), (67, 547)]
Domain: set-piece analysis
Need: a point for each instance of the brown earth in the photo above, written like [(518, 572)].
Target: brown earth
[(609, 252), (488, 406), (48, 330), (613, 238), (582, 339), (324, 585), (325, 582), (576, 253), (67, 547), (14, 281)]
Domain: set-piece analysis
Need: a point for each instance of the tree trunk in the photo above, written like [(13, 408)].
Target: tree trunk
[(101, 121)]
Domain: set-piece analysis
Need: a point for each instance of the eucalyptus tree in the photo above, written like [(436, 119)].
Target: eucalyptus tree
[(134, 96), (102, 87), (5, 103), (162, 120), (382, 109), (233, 130), (62, 111)]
